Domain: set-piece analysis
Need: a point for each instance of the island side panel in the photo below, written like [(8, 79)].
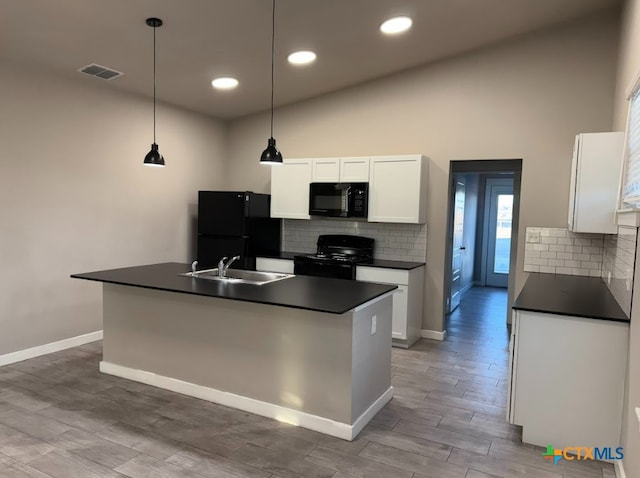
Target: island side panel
[(371, 368), (289, 357)]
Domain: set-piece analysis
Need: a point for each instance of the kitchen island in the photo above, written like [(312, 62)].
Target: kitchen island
[(309, 351)]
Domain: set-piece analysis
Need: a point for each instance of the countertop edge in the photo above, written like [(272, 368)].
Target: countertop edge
[(581, 315)]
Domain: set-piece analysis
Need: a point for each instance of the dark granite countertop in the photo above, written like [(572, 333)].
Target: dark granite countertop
[(385, 264), (335, 296), (569, 295)]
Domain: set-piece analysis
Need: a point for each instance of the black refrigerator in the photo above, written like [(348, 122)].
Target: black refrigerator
[(235, 223)]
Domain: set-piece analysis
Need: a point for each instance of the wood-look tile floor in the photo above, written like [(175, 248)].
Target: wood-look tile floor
[(61, 418)]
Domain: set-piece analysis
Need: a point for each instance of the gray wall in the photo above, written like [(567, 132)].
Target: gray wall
[(75, 196), (525, 98)]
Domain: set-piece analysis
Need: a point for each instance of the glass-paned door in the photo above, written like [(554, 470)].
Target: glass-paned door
[(502, 248), (499, 199)]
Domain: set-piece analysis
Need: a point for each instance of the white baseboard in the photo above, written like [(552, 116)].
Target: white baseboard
[(369, 413), (265, 409), (434, 334), (45, 349), (619, 467)]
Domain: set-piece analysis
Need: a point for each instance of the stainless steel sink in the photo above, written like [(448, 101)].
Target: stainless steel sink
[(237, 276)]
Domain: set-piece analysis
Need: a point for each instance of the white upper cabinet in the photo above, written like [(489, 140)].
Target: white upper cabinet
[(290, 189), (397, 188), (354, 170), (340, 170), (326, 170), (595, 176)]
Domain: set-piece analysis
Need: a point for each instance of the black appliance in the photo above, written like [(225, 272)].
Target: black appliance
[(337, 256), (338, 199), (235, 223)]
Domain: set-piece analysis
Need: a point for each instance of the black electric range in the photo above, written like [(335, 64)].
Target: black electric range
[(336, 257)]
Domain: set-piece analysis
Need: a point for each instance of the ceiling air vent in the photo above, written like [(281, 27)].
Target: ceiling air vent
[(100, 71)]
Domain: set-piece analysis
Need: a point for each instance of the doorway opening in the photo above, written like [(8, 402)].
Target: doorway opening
[(483, 207)]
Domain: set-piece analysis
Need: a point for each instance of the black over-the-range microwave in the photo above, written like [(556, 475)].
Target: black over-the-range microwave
[(338, 199)]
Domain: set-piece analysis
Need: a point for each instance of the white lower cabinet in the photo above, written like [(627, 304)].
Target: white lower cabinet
[(270, 264), (567, 378), (407, 300)]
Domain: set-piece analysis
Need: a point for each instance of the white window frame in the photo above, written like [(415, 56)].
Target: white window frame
[(628, 213)]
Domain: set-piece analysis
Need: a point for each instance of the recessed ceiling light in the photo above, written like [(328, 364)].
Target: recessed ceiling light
[(224, 83), (396, 25), (302, 57)]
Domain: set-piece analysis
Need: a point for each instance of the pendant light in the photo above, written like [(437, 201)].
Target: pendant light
[(153, 157), (271, 155)]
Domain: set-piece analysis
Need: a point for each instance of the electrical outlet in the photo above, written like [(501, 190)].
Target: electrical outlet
[(533, 235), (374, 324)]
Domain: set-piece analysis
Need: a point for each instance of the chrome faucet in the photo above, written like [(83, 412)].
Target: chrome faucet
[(222, 267), (194, 266)]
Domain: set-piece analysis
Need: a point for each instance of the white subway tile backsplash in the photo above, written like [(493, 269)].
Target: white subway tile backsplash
[(580, 272), (556, 232), (592, 250), (573, 248), (397, 242), (565, 252), (618, 263)]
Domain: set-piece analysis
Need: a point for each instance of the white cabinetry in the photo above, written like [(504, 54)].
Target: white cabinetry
[(290, 189), (407, 300), (271, 264), (340, 170), (595, 176), (567, 379), (354, 170), (325, 170), (397, 189)]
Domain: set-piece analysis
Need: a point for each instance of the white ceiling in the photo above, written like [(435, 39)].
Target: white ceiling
[(202, 39)]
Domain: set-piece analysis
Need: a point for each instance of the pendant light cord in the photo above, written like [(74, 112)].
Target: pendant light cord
[(273, 48), (154, 83)]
